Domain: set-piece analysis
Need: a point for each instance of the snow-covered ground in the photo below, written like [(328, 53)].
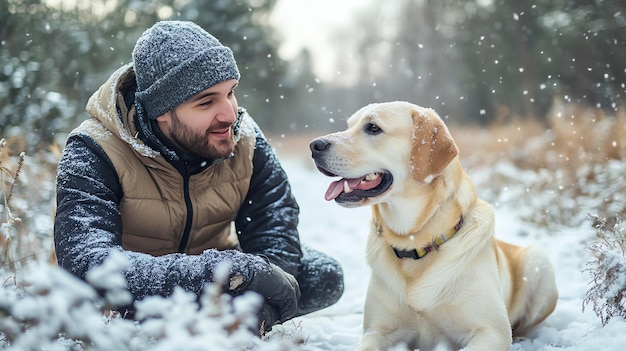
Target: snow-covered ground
[(342, 233)]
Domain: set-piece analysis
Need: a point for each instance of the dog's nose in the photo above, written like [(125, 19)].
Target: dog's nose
[(319, 145)]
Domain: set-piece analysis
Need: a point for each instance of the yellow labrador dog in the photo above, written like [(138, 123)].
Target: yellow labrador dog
[(439, 278)]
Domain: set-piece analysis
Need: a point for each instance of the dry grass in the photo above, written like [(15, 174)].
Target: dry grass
[(8, 178), (573, 136), (27, 188)]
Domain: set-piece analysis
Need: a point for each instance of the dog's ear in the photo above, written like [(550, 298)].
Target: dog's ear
[(433, 147)]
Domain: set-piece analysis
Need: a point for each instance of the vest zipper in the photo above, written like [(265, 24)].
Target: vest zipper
[(185, 239)]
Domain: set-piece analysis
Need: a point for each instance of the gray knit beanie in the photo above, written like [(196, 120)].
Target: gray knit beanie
[(175, 60)]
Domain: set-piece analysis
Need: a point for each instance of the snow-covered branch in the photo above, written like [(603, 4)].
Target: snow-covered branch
[(607, 294)]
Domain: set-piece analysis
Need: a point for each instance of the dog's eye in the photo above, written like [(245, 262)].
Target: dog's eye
[(373, 129)]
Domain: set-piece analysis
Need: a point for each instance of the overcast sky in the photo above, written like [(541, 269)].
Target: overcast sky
[(311, 23)]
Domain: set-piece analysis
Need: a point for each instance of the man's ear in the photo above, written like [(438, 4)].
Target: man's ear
[(433, 147), (165, 117)]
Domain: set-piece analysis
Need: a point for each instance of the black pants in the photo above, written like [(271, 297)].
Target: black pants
[(321, 281)]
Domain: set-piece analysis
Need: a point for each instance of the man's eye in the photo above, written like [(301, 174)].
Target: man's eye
[(373, 129)]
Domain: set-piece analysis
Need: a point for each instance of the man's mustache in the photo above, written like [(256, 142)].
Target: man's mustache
[(219, 126)]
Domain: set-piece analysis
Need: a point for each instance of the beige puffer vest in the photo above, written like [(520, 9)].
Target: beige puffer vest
[(154, 206)]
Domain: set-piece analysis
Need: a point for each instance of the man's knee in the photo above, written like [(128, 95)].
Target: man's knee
[(320, 279)]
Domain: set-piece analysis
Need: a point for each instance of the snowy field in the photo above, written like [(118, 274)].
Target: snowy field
[(342, 233)]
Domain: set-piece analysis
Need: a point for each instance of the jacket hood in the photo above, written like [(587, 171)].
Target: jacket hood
[(107, 106)]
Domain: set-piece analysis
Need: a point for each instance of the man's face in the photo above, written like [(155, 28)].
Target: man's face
[(203, 125)]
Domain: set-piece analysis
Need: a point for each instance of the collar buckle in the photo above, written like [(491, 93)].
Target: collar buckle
[(406, 253)]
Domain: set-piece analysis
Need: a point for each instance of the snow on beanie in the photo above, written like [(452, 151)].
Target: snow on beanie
[(175, 60)]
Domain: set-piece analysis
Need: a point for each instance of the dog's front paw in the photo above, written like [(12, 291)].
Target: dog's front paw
[(370, 341)]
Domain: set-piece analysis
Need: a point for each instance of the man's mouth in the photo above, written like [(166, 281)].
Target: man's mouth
[(221, 133), (347, 190)]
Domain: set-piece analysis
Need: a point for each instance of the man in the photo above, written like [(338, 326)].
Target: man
[(172, 173)]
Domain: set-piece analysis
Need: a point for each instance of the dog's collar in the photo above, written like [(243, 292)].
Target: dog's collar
[(416, 254)]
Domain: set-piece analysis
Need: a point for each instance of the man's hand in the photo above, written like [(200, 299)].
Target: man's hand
[(280, 291)]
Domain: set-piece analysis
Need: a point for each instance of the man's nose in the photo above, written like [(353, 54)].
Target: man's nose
[(228, 112)]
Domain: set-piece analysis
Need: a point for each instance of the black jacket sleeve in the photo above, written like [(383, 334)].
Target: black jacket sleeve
[(88, 227), (267, 222)]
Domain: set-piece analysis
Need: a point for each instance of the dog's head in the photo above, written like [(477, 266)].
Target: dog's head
[(384, 146)]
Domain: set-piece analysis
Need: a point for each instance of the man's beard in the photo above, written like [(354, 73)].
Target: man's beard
[(199, 143)]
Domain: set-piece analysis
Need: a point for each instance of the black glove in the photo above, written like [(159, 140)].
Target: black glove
[(280, 291)]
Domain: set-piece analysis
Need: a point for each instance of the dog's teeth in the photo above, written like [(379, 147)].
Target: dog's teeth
[(372, 176), (346, 187)]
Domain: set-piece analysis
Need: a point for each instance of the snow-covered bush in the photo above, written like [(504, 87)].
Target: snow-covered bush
[(607, 294), (53, 310)]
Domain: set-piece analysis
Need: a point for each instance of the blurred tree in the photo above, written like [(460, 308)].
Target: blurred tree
[(520, 55), (28, 45), (398, 53), (421, 60), (52, 60), (305, 98)]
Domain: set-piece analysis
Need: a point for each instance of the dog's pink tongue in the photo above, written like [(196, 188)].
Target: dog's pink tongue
[(336, 187)]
